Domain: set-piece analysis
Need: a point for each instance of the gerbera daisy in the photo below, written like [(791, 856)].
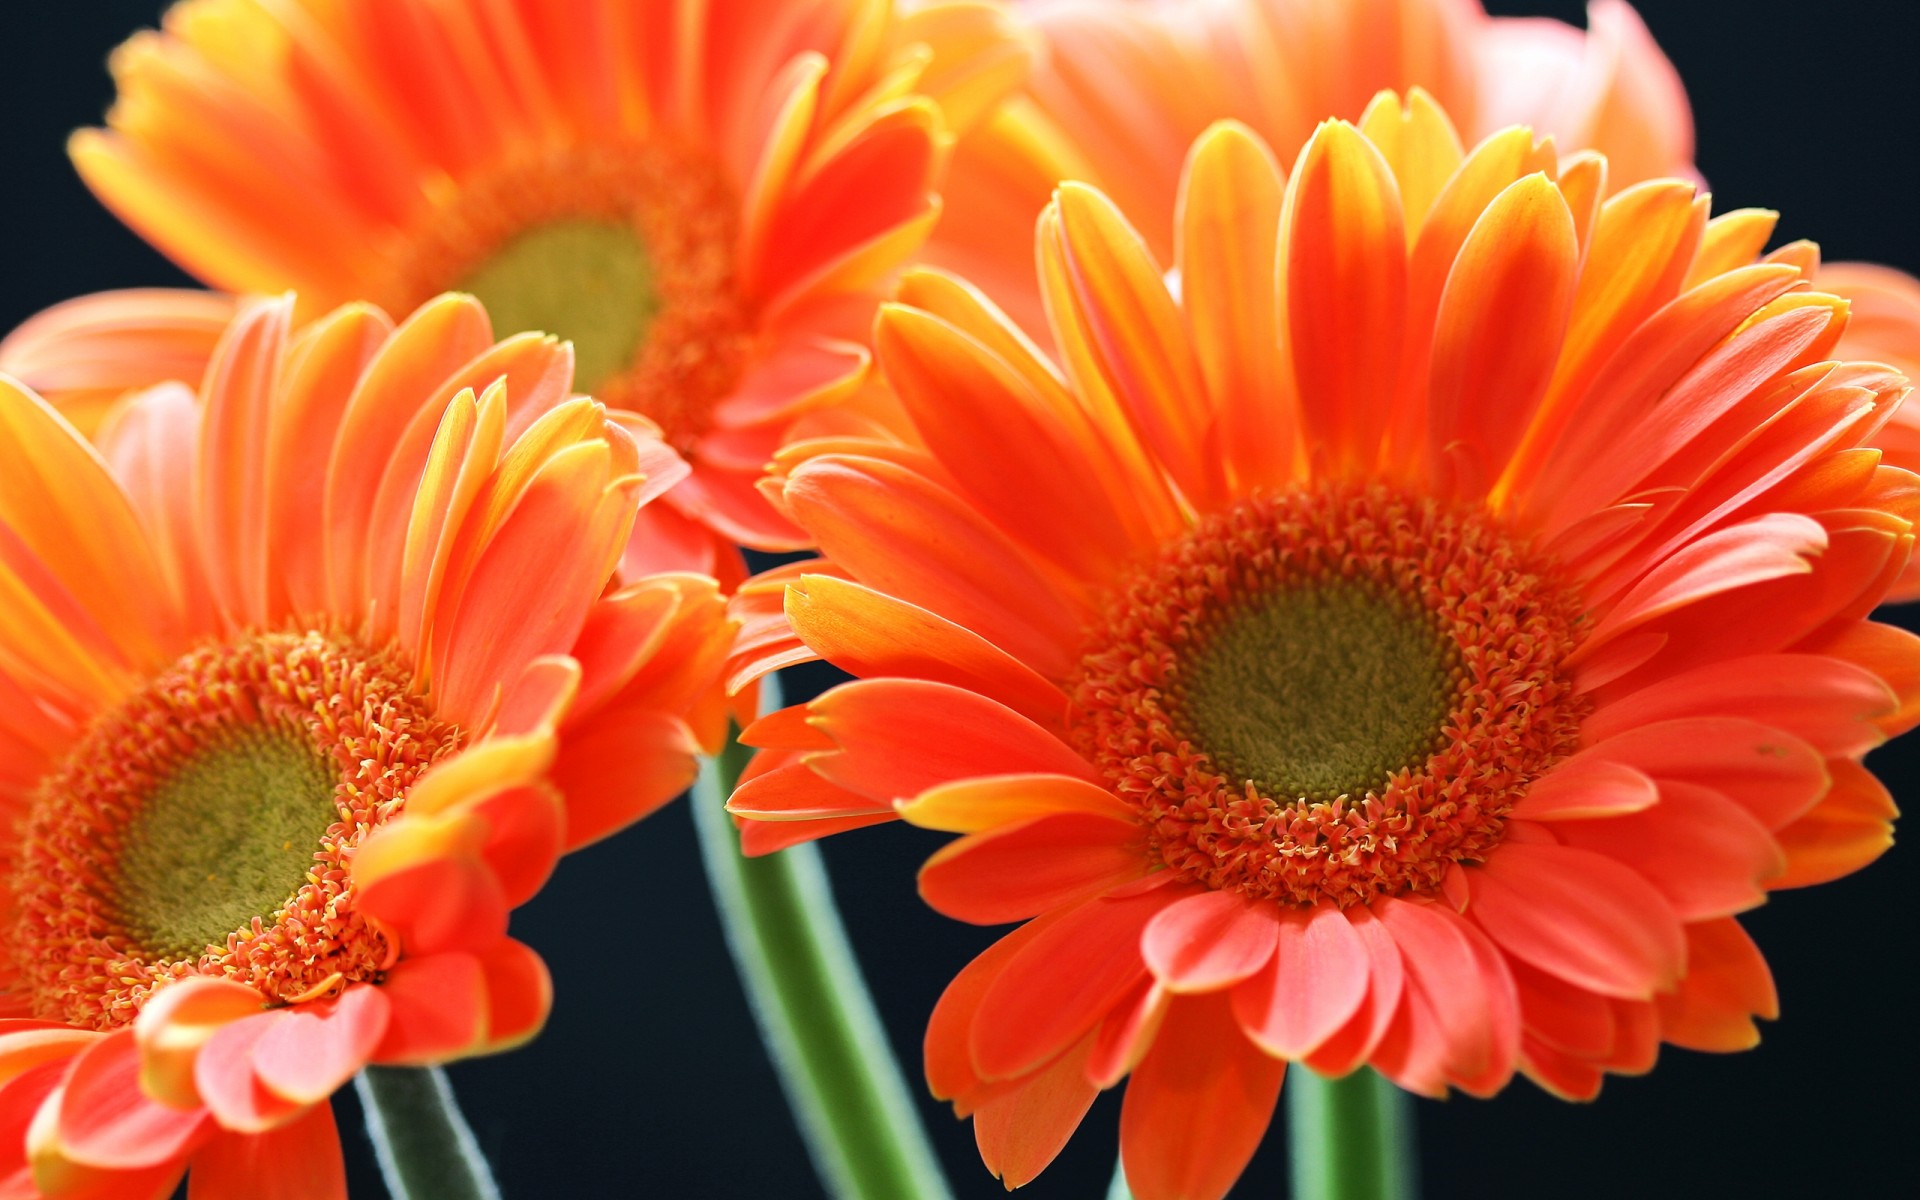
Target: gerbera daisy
[(704, 196), (304, 683), (1123, 90), (1418, 665)]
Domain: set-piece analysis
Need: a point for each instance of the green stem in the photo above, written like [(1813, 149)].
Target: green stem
[(425, 1149), (815, 1016), (1351, 1138)]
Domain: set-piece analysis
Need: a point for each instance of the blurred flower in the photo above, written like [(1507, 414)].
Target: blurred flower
[(1123, 89), (304, 683), (706, 198), (1417, 667)]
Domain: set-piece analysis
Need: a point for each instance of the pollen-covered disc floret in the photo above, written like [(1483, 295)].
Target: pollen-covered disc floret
[(1331, 694), (205, 827), (626, 249)]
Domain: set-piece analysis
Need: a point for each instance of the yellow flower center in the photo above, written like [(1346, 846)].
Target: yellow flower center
[(205, 827), (625, 250), (1331, 694)]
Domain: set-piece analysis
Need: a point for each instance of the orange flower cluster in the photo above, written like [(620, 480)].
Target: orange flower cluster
[(1378, 575)]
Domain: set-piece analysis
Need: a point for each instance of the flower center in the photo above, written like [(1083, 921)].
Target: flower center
[(1318, 690), (626, 250), (1331, 694), (225, 837), (206, 825)]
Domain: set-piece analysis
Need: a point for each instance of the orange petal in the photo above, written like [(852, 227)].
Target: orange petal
[(1727, 985), (1231, 197), (1315, 983), (1850, 827), (1022, 1130), (318, 1047), (105, 1120), (620, 766), (1197, 1105), (519, 994), (1344, 236), (869, 633), (300, 1160), (992, 801), (1017, 871), (1497, 335), (439, 1010), (1580, 916), (1062, 982), (176, 1022), (1211, 941)]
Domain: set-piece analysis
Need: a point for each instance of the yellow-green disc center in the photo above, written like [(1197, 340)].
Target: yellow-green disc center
[(1319, 691), (228, 836), (589, 281)]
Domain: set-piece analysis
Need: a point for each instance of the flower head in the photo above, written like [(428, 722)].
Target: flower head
[(1123, 90), (1417, 664), (308, 680), (705, 198)]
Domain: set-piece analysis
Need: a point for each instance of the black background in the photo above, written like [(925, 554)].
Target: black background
[(649, 1080)]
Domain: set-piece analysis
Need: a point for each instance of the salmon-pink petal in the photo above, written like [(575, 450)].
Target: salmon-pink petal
[(1738, 556), (1062, 982), (1893, 655), (1211, 941), (1580, 916), (439, 1009), (223, 1075), (1775, 776), (1459, 1018), (1727, 985), (1386, 982), (318, 1047), (151, 443), (105, 1120), (300, 1160), (1564, 1016), (1829, 703), (1558, 1073), (1017, 871), (1022, 1130), (786, 790), (1313, 985), (1584, 787), (177, 1021), (1707, 855), (1197, 1105)]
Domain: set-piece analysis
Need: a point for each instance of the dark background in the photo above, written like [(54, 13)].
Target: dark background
[(650, 1081)]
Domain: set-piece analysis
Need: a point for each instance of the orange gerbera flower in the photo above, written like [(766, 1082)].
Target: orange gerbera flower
[(1418, 665), (304, 683), (705, 196), (1124, 89)]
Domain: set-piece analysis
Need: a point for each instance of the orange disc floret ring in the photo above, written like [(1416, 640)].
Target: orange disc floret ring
[(207, 826), (1330, 694)]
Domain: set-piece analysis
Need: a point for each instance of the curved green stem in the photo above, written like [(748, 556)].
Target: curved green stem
[(1349, 1139), (425, 1148), (815, 1015)]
